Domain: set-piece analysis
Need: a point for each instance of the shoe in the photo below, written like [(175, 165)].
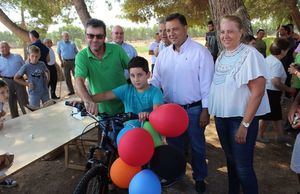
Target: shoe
[(71, 93), (48, 103), (54, 97), (168, 183), (32, 108), (200, 187), (8, 183)]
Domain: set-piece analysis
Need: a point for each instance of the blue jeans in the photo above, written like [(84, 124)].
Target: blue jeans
[(239, 156), (35, 99), (197, 141)]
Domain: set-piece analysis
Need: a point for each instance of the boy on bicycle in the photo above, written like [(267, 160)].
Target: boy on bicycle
[(139, 97)]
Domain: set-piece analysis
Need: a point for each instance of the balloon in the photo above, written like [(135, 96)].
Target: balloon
[(122, 132), (155, 136), (121, 173), (136, 147), (170, 120), (145, 182), (168, 162)]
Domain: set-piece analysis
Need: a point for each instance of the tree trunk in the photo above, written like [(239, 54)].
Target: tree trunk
[(295, 12), (14, 28), (23, 25), (82, 11), (219, 8)]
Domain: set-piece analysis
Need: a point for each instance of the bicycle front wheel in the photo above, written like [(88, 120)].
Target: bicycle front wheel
[(93, 181)]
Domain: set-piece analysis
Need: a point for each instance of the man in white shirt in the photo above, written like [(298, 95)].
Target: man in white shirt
[(117, 35), (154, 45), (184, 71), (52, 68), (165, 42)]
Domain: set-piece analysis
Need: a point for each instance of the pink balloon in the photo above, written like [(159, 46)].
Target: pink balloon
[(170, 120), (136, 147)]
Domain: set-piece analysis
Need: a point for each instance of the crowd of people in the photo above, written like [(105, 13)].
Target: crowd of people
[(203, 79)]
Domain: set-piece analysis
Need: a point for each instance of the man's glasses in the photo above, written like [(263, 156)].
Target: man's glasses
[(92, 36)]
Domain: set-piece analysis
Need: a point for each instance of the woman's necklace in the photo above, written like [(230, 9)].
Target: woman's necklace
[(234, 52)]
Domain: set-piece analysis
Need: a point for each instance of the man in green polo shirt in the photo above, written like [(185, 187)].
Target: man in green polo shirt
[(103, 65)]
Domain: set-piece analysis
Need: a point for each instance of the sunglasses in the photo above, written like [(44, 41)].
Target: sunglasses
[(92, 36)]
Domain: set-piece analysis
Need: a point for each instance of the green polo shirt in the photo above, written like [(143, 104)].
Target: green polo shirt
[(103, 75)]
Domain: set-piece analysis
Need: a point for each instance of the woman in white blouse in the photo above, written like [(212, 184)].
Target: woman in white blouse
[(237, 96), (275, 86)]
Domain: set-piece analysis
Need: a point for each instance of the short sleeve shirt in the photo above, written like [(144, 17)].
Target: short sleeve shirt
[(276, 70), (137, 102), (36, 76), (103, 74)]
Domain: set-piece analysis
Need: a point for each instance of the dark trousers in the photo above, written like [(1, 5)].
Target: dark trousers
[(239, 156), (68, 69), (53, 80), (17, 94)]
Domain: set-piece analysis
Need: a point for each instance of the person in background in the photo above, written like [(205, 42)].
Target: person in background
[(165, 42), (34, 37), (184, 72), (294, 119), (4, 96), (67, 51), (260, 43), (239, 79), (152, 48), (211, 40), (9, 65), (52, 68), (250, 40), (38, 78), (275, 86), (117, 35)]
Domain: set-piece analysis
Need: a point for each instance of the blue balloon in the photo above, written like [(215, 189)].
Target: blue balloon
[(122, 132), (145, 182)]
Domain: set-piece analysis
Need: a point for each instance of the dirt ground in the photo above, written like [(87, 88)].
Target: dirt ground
[(271, 164)]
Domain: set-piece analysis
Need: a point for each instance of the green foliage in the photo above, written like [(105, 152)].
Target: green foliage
[(12, 39), (76, 34), (39, 14), (269, 41), (196, 11)]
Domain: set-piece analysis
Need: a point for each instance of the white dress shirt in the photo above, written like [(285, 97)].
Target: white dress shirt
[(185, 76)]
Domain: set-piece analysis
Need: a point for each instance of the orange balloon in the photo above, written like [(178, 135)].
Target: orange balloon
[(121, 173)]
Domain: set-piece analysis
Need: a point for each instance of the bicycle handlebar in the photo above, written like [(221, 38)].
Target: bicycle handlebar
[(122, 117)]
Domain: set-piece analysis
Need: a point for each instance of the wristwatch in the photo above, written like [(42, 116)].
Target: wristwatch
[(245, 124)]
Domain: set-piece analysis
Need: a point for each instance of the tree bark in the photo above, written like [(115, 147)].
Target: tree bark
[(295, 12), (14, 28), (219, 8), (82, 11)]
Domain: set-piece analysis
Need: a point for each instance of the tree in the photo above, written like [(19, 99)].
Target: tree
[(40, 15), (279, 11), (82, 10), (220, 8)]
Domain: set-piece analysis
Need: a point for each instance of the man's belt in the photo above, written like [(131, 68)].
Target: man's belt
[(69, 59), (7, 77), (186, 106)]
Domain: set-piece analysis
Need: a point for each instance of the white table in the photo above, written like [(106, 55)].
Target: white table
[(31, 136)]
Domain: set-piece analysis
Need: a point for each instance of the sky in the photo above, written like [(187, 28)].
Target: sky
[(100, 11)]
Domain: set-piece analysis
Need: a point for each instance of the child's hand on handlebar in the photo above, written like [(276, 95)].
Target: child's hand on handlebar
[(91, 107), (143, 116)]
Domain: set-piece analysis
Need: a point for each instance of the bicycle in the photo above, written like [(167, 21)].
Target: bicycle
[(101, 156)]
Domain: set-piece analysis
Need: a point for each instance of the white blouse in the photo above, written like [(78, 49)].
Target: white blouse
[(229, 93), (275, 69)]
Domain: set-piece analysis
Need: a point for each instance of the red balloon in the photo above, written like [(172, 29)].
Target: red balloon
[(170, 120), (136, 147)]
